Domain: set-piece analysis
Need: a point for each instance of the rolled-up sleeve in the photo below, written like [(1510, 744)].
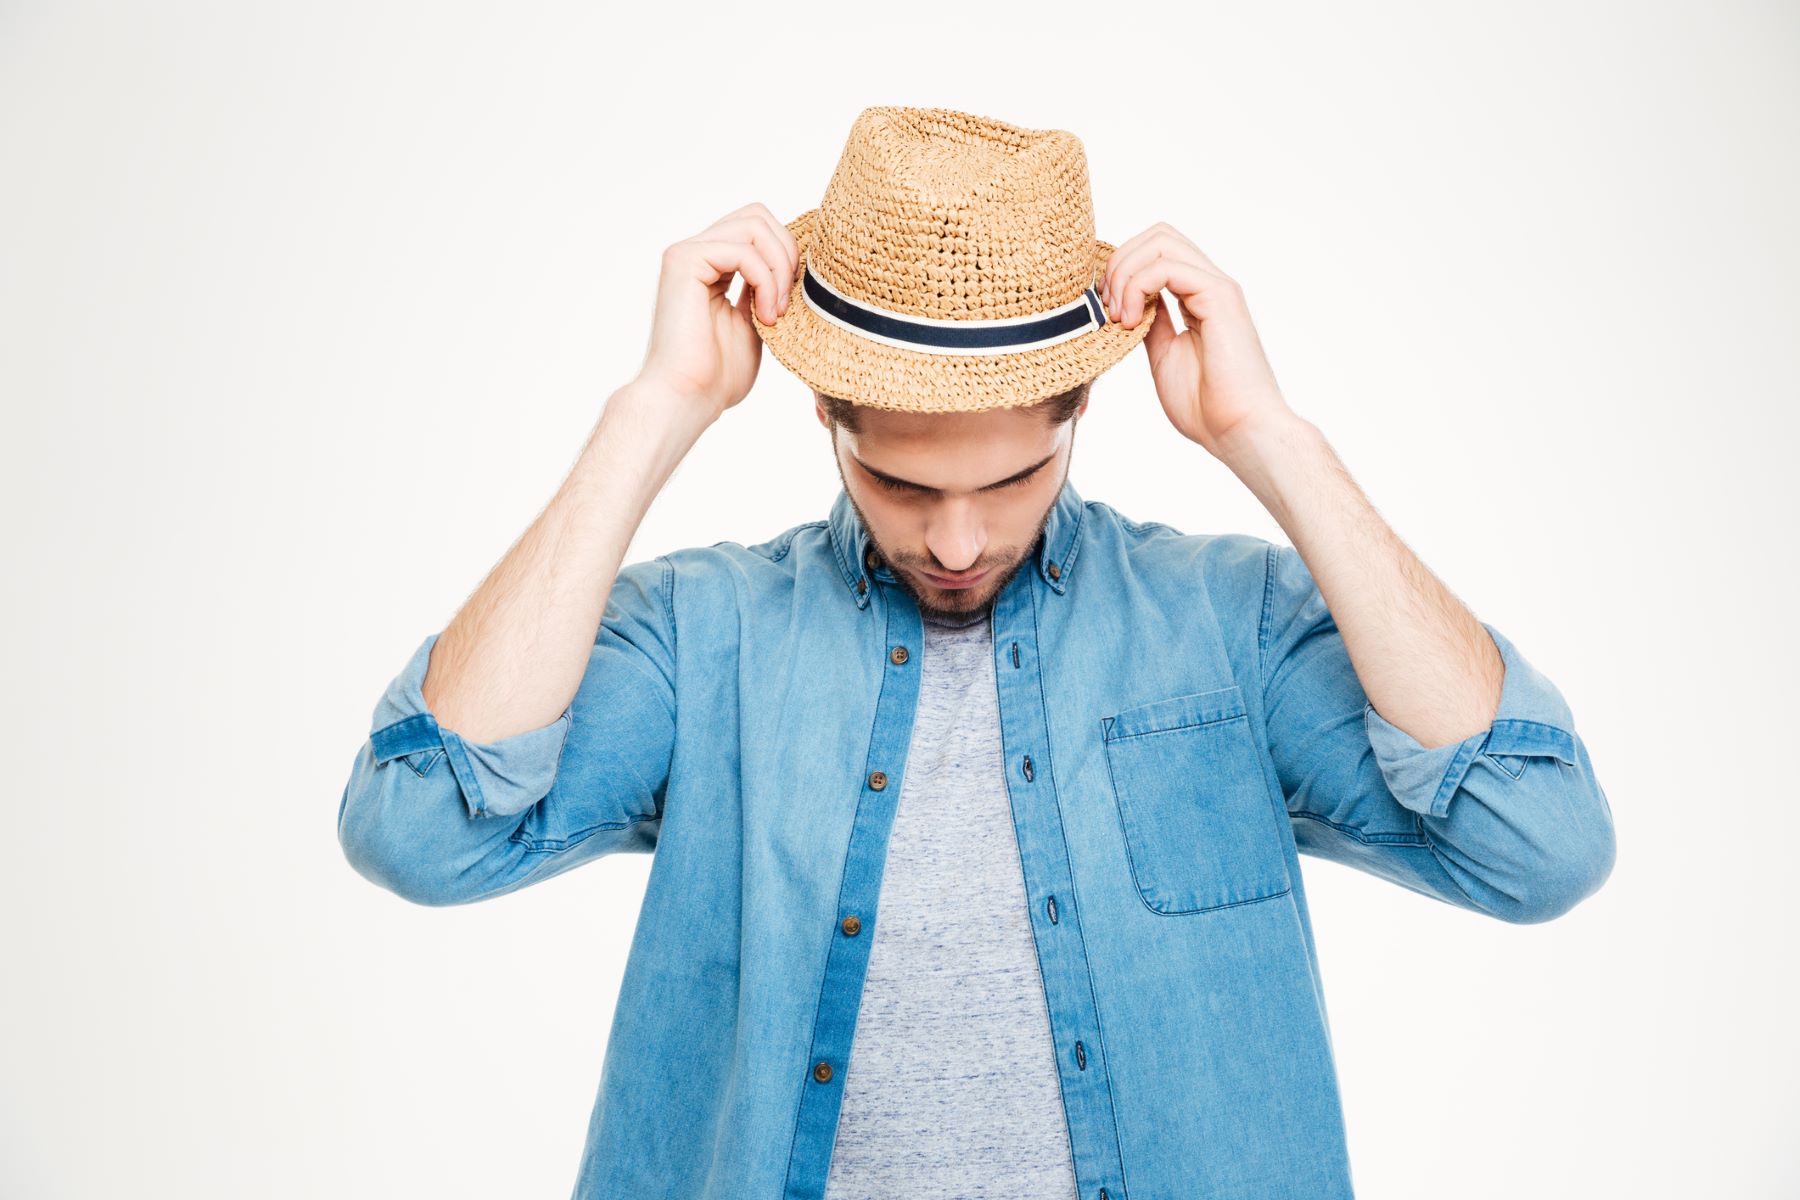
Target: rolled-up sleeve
[(498, 778), (439, 819), (1510, 821)]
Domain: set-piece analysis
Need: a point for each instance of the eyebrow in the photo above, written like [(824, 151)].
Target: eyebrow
[(989, 487)]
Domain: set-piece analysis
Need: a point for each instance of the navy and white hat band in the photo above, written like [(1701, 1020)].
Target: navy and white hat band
[(988, 335)]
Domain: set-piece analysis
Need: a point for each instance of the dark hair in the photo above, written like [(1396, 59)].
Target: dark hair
[(1056, 409)]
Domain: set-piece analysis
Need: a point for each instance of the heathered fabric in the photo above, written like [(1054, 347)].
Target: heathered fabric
[(951, 1088)]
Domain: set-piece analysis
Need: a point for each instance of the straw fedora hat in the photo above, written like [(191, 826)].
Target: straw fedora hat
[(951, 267)]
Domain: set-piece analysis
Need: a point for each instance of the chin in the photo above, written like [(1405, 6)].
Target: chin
[(964, 599), (961, 599)]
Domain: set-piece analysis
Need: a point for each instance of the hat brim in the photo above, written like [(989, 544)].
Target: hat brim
[(839, 363)]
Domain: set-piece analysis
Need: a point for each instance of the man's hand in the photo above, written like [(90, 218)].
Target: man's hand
[(1211, 376), (703, 349), (1422, 657)]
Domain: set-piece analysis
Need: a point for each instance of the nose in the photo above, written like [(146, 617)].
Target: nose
[(956, 538)]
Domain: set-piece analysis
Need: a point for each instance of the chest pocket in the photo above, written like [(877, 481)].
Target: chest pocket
[(1200, 829)]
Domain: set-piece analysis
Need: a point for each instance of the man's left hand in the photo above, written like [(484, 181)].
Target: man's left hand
[(1211, 375)]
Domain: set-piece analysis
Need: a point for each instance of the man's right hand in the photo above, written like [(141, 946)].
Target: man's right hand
[(703, 349)]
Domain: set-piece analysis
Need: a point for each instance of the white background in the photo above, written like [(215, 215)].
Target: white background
[(306, 309)]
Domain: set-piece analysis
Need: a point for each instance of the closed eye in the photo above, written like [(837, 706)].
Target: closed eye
[(914, 489)]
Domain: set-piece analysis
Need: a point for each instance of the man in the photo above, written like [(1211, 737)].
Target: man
[(976, 806)]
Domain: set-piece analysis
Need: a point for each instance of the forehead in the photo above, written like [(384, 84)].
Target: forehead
[(904, 432), (952, 451)]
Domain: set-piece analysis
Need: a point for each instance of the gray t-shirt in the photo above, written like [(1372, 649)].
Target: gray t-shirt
[(951, 1089)]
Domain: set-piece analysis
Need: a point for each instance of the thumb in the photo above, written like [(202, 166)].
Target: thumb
[(1162, 329)]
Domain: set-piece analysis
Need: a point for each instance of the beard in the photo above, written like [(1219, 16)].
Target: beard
[(958, 605)]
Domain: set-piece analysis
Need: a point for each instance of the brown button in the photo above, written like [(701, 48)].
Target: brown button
[(869, 558), (897, 655), (852, 925), (878, 779), (861, 587), (822, 1072), (1055, 571)]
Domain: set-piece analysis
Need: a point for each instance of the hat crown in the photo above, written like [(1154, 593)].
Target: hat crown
[(951, 216)]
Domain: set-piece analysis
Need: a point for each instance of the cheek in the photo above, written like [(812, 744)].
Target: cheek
[(1026, 516), (896, 521)]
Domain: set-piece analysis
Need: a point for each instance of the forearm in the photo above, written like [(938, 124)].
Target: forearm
[(514, 655), (1422, 657)]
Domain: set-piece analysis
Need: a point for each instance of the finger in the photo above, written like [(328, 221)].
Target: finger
[(1194, 252), (1162, 331), (719, 259), (760, 231), (772, 238), (1109, 271), (1191, 284), (1169, 232), (1125, 247), (729, 218), (1199, 256), (1161, 241), (757, 215), (786, 234), (1174, 271), (1153, 245)]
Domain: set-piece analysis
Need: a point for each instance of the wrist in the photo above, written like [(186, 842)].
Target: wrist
[(642, 434), (656, 403), (661, 422), (1256, 441), (1278, 459)]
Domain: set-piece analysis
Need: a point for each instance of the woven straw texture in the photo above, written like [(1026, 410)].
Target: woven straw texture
[(947, 215)]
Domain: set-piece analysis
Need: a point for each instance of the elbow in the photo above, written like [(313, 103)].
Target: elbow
[(386, 857), (1563, 880), (1554, 893), (403, 877)]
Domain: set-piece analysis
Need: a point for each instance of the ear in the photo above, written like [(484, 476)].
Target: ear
[(819, 411)]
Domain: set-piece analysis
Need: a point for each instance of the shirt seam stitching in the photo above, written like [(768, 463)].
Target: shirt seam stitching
[(556, 845), (1369, 839), (1112, 1108)]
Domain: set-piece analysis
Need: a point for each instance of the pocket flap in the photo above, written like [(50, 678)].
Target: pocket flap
[(406, 736), (1519, 737), (1175, 712)]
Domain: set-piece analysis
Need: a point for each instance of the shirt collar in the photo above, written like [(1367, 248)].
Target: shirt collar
[(1056, 550)]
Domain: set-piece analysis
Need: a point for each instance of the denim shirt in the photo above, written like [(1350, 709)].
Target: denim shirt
[(1179, 719)]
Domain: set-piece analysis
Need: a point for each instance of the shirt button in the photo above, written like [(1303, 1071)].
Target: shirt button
[(1055, 571), (870, 559), (861, 587), (897, 655), (852, 925), (822, 1072), (878, 779)]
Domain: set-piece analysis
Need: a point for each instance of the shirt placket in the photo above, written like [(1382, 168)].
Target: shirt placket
[(853, 930), (1049, 889)]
